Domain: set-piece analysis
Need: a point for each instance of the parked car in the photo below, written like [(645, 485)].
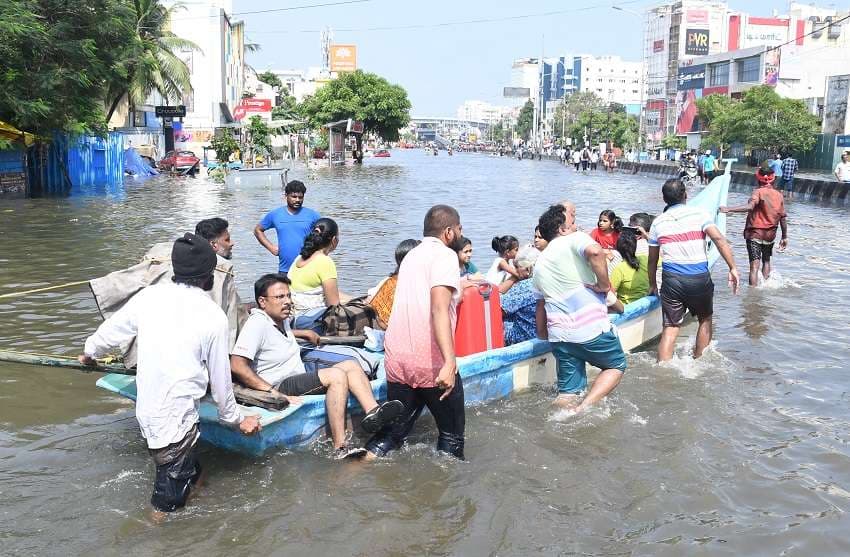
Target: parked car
[(179, 160), (381, 153)]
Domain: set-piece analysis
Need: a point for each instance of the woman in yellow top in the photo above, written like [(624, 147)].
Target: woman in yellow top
[(630, 278), (313, 274)]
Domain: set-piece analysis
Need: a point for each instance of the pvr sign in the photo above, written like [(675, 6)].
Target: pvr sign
[(696, 41)]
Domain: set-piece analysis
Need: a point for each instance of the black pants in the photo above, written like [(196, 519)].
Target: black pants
[(449, 415)]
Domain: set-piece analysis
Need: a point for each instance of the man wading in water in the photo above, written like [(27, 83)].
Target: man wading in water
[(293, 223), (183, 349), (419, 343), (678, 236)]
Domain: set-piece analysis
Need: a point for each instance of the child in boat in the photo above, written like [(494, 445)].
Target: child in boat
[(607, 230), (502, 267), (464, 257), (630, 278)]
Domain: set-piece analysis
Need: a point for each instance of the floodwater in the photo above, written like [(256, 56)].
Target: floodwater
[(744, 452)]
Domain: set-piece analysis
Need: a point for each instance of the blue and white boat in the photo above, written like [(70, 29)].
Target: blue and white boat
[(487, 376)]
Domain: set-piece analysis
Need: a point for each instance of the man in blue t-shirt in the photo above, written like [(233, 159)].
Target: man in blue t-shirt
[(293, 223)]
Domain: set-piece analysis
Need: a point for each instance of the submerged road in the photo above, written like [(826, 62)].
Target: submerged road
[(744, 452)]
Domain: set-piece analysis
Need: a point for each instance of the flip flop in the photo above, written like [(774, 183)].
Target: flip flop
[(343, 453), (382, 415)]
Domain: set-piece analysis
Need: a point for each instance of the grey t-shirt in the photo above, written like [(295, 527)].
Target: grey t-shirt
[(274, 353)]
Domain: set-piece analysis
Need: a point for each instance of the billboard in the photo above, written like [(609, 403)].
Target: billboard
[(835, 104), (771, 67), (764, 31), (698, 16), (343, 57), (658, 46), (252, 106), (691, 77), (686, 111), (516, 92), (696, 41)]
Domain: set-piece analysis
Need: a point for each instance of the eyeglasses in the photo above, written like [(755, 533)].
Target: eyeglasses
[(279, 297)]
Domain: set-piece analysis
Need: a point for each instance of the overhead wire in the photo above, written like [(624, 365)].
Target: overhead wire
[(477, 21), (275, 10)]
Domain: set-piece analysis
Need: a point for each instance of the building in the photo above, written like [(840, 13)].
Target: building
[(217, 69), (480, 111), (710, 49), (525, 73), (301, 83), (610, 78)]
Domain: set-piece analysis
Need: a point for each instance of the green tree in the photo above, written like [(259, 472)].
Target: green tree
[(720, 116), (383, 108), (604, 123), (224, 145), (258, 138), (57, 57), (497, 132), (287, 107), (270, 79), (673, 142), (769, 121), (149, 62), (525, 120)]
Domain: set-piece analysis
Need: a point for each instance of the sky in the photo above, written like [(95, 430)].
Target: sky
[(439, 50)]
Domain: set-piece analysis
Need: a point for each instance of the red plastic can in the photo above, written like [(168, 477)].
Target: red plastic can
[(479, 320)]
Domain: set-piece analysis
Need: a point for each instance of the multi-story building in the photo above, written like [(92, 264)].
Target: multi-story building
[(610, 78), (732, 52), (217, 68)]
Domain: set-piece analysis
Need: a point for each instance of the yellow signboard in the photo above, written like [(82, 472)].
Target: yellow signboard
[(343, 57)]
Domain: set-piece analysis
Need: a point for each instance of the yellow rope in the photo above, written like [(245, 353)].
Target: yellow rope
[(45, 289)]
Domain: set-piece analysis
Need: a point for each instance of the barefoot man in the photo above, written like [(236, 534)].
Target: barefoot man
[(678, 236), (571, 281)]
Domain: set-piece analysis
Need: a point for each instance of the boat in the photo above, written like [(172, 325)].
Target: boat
[(487, 376)]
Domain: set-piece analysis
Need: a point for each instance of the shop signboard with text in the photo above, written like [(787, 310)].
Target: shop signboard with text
[(691, 77), (696, 42), (343, 57), (252, 106)]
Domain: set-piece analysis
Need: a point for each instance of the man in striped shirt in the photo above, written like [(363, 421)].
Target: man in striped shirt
[(789, 168), (678, 236)]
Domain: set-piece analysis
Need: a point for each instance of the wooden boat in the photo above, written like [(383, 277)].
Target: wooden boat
[(486, 376)]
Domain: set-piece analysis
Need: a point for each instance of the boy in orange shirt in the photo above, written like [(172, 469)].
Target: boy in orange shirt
[(765, 213)]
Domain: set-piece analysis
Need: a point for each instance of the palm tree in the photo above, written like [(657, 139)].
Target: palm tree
[(150, 63)]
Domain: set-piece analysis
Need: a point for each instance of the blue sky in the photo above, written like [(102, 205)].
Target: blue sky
[(442, 66)]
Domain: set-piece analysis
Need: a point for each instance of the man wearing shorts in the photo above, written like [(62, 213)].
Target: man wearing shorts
[(268, 358), (570, 283), (765, 213), (183, 341), (679, 237)]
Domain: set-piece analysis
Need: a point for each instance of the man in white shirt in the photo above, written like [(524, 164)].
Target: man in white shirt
[(842, 171), (267, 357), (182, 349)]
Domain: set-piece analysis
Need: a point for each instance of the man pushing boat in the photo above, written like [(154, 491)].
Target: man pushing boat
[(182, 350)]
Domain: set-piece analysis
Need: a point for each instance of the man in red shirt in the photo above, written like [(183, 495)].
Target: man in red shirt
[(765, 213), (419, 343)]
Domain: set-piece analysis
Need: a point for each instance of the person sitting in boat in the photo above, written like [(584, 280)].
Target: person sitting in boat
[(313, 275), (114, 290), (630, 278), (267, 358), (518, 300), (381, 297), (570, 282), (502, 268)]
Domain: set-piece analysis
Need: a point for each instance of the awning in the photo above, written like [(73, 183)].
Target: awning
[(8, 131), (225, 111)]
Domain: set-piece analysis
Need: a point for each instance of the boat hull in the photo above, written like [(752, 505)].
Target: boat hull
[(487, 376)]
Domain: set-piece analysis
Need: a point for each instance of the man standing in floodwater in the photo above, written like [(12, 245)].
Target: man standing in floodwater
[(570, 283), (292, 223), (419, 343), (183, 350), (765, 213), (678, 236)]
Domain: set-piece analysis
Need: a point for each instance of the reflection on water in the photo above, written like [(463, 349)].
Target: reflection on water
[(742, 452)]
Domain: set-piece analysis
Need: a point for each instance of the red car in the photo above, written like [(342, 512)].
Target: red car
[(179, 160)]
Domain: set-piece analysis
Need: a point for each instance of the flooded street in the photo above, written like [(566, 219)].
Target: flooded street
[(744, 452)]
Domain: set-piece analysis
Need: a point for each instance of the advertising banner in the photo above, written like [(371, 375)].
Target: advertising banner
[(658, 46), (252, 106), (771, 67), (696, 41), (343, 57), (764, 31), (516, 92), (691, 77), (698, 16)]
